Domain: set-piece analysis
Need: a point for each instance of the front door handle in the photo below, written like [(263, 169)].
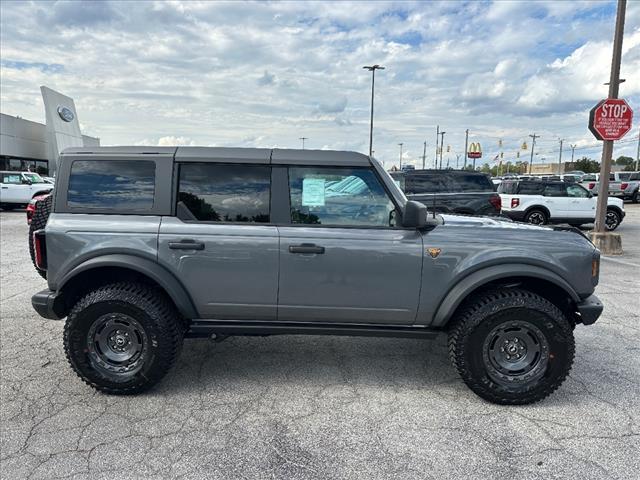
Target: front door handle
[(306, 248), (186, 245)]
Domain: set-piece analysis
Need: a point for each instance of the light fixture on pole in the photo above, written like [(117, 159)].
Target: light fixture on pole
[(372, 69)]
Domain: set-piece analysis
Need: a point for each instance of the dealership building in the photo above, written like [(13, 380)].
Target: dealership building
[(33, 146)]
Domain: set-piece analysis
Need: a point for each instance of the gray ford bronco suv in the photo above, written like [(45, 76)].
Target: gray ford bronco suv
[(146, 246)]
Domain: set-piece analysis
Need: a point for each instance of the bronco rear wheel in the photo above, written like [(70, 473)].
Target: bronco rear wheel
[(511, 347), (123, 338), (536, 217)]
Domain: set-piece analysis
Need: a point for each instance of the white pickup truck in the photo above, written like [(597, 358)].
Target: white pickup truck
[(624, 185), (18, 188)]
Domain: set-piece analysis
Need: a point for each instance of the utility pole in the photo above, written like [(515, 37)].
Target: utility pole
[(638, 152), (400, 155), (607, 148), (573, 149), (441, 147), (303, 139), (533, 144), (466, 146), (372, 69), (424, 155), (560, 158), (435, 160)]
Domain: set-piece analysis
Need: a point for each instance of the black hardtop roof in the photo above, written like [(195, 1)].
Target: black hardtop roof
[(230, 155)]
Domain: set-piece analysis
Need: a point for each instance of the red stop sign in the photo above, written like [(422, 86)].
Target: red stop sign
[(610, 119)]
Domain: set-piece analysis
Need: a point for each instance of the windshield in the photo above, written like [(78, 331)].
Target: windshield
[(34, 177)]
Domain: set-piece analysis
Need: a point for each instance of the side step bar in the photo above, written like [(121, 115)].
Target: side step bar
[(206, 328)]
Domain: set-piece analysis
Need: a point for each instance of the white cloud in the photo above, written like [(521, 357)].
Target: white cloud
[(265, 74)]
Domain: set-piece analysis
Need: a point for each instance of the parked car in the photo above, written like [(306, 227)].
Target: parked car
[(451, 191), (539, 203), (624, 185), (18, 188), (145, 247)]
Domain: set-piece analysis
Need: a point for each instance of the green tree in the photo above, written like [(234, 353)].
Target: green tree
[(622, 160), (587, 165)]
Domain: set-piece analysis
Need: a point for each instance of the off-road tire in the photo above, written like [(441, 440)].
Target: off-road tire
[(536, 213), (161, 328), (38, 222), (634, 197), (476, 321)]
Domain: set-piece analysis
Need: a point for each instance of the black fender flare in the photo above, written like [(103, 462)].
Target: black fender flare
[(471, 282), (171, 285)]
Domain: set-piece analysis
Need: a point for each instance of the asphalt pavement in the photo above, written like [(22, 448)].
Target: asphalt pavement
[(296, 407)]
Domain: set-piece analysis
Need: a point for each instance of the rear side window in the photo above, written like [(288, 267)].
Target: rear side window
[(13, 178), (418, 184), (472, 183), (216, 192), (112, 184), (530, 188), (555, 190)]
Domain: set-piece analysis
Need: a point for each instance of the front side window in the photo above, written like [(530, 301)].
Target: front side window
[(339, 197), (419, 184), (471, 182), (12, 178), (124, 185), (216, 192), (34, 178), (576, 191)]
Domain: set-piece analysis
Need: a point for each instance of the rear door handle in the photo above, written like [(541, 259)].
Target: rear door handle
[(306, 248), (186, 245)]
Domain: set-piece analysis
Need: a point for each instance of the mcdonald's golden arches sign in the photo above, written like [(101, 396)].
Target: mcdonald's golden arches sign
[(475, 150)]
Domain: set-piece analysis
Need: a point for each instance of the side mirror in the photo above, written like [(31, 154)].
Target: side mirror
[(27, 182), (415, 215)]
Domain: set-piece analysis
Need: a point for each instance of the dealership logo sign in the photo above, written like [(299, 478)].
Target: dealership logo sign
[(66, 113), (475, 150)]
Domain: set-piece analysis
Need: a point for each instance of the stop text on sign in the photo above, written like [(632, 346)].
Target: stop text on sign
[(610, 119)]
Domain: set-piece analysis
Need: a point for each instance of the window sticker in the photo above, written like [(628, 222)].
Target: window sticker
[(313, 192)]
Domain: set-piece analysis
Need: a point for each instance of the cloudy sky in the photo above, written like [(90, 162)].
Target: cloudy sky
[(264, 74)]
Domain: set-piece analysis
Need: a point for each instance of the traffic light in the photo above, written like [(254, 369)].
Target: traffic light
[(517, 154), (501, 154), (524, 146), (448, 148), (500, 143)]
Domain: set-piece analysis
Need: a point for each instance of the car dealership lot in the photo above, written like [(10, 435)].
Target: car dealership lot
[(315, 407)]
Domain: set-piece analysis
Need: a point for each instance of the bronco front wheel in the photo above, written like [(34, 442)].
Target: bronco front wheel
[(512, 346)]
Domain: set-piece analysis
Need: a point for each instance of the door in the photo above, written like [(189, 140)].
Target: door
[(581, 205), (221, 245), (342, 259), (555, 199)]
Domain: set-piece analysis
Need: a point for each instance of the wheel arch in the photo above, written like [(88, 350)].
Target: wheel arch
[(540, 280), (105, 269), (544, 209)]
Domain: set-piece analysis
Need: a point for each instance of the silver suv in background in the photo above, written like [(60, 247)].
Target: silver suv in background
[(146, 246)]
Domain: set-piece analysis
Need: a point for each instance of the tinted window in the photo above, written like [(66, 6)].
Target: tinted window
[(112, 184), (470, 182), (554, 190), (576, 191), (425, 183), (531, 188), (508, 187), (339, 196), (226, 193)]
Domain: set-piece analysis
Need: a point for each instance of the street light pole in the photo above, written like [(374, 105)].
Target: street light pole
[(303, 139), (441, 148), (573, 149), (533, 144), (607, 148), (435, 160), (372, 69), (400, 155)]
